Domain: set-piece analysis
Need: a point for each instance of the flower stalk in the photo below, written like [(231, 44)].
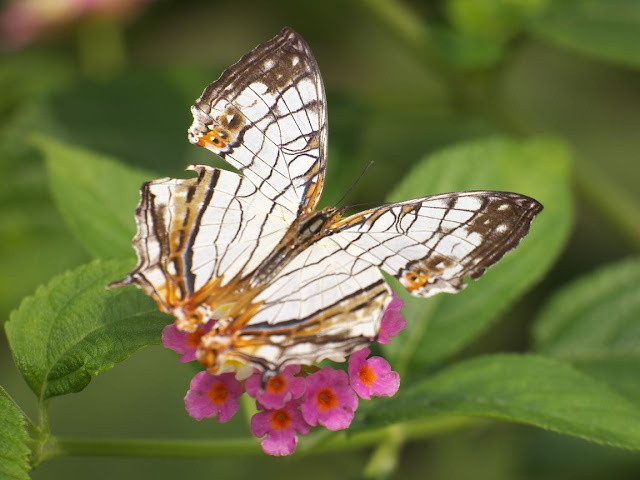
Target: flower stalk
[(245, 447)]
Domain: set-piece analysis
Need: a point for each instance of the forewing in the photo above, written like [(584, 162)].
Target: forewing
[(325, 304), (430, 244), (200, 232), (266, 116)]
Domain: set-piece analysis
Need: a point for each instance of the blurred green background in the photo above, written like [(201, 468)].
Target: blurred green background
[(402, 80)]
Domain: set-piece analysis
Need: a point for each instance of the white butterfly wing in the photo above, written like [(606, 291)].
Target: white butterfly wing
[(430, 244), (328, 300), (324, 304), (199, 234), (266, 116)]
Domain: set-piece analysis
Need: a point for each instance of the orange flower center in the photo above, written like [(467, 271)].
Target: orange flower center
[(193, 339), (280, 419), (276, 384), (326, 399), (367, 375), (218, 393)]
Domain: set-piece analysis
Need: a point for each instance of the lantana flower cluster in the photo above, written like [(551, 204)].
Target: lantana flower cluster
[(295, 400)]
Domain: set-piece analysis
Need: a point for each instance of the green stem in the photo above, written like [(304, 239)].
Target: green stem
[(120, 447), (43, 411), (249, 408), (144, 447), (384, 460), (411, 430), (40, 435)]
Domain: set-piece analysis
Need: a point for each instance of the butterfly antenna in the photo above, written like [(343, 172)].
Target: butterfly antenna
[(353, 185), (365, 204)]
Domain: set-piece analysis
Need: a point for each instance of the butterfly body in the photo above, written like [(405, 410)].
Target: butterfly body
[(305, 230), (286, 283)]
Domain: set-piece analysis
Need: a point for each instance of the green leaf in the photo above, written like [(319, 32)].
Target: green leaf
[(520, 388), (14, 459), (594, 323), (35, 243), (74, 328), (605, 29), (96, 195), (439, 327), (22, 79), (141, 115)]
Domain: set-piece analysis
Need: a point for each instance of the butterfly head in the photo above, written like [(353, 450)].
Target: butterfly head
[(316, 223)]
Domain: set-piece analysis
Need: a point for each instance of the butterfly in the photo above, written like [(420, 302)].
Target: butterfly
[(286, 283)]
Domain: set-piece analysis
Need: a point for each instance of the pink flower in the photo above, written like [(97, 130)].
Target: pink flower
[(372, 377), (280, 427), (22, 21), (392, 320), (211, 395), (182, 342), (329, 400), (279, 389)]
